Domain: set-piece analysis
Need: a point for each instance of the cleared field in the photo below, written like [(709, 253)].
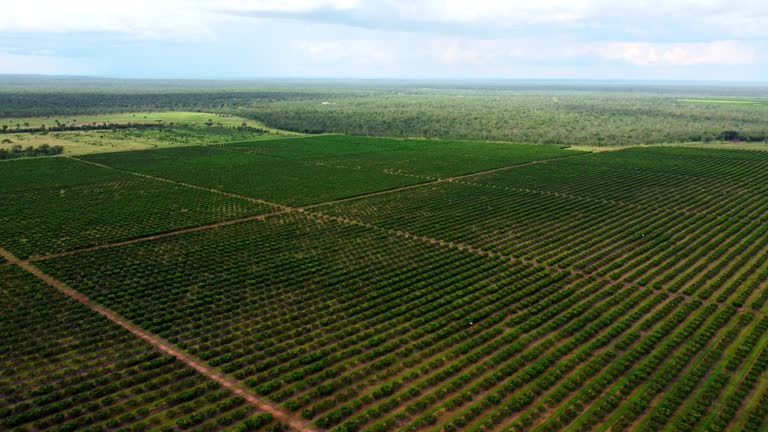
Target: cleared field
[(362, 329), (67, 368), (432, 159), (347, 326), (700, 231), (277, 180), (55, 204), (624, 290), (303, 171)]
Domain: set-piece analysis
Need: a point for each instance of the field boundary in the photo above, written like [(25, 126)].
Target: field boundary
[(313, 214), (437, 181), (554, 269), (162, 179), (283, 209), (154, 236), (164, 346)]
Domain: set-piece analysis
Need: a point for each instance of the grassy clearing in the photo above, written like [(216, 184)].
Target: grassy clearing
[(101, 141), (180, 118), (189, 128)]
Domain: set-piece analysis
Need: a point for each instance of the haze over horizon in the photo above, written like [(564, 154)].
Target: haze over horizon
[(437, 39)]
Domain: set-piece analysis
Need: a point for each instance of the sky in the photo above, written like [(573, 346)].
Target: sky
[(708, 40)]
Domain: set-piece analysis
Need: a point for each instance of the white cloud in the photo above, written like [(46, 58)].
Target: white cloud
[(399, 37), (188, 18), (676, 54), (481, 51), (500, 51), (44, 64), (357, 51), (147, 19), (540, 11), (281, 6)]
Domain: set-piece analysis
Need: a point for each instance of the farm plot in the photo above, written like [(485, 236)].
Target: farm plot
[(429, 159), (717, 253), (357, 328), (277, 180), (67, 368), (54, 204), (718, 182), (742, 166)]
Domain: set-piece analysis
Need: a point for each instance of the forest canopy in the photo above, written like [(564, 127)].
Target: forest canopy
[(562, 113)]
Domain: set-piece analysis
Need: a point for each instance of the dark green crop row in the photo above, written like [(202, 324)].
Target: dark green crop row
[(67, 368), (311, 170), (70, 205), (616, 304), (681, 235), (426, 158), (356, 329), (273, 179)]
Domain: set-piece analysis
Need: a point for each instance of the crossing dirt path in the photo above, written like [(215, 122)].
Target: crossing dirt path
[(286, 417), (162, 345)]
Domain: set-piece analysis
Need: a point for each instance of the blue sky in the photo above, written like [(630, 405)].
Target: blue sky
[(546, 39)]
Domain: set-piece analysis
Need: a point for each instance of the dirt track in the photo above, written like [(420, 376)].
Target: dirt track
[(234, 385), (162, 345), (282, 208), (158, 236)]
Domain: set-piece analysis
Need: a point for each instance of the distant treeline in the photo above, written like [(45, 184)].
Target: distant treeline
[(17, 151), (562, 119), (609, 114), (41, 103)]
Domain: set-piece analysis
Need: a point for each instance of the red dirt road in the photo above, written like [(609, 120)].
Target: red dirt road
[(162, 345)]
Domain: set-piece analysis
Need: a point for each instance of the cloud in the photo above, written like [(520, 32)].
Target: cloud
[(677, 54), (357, 51), (280, 6), (542, 11), (144, 19), (603, 19), (495, 51), (44, 64), (440, 38), (482, 51)]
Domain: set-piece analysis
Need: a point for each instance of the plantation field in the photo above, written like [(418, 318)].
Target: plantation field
[(67, 368), (429, 159), (685, 220), (399, 285), (279, 180), (56, 204), (317, 169)]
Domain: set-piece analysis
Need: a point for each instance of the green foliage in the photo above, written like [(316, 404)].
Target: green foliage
[(426, 158), (311, 170), (604, 114), (565, 117), (53, 205), (603, 290), (67, 367)]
